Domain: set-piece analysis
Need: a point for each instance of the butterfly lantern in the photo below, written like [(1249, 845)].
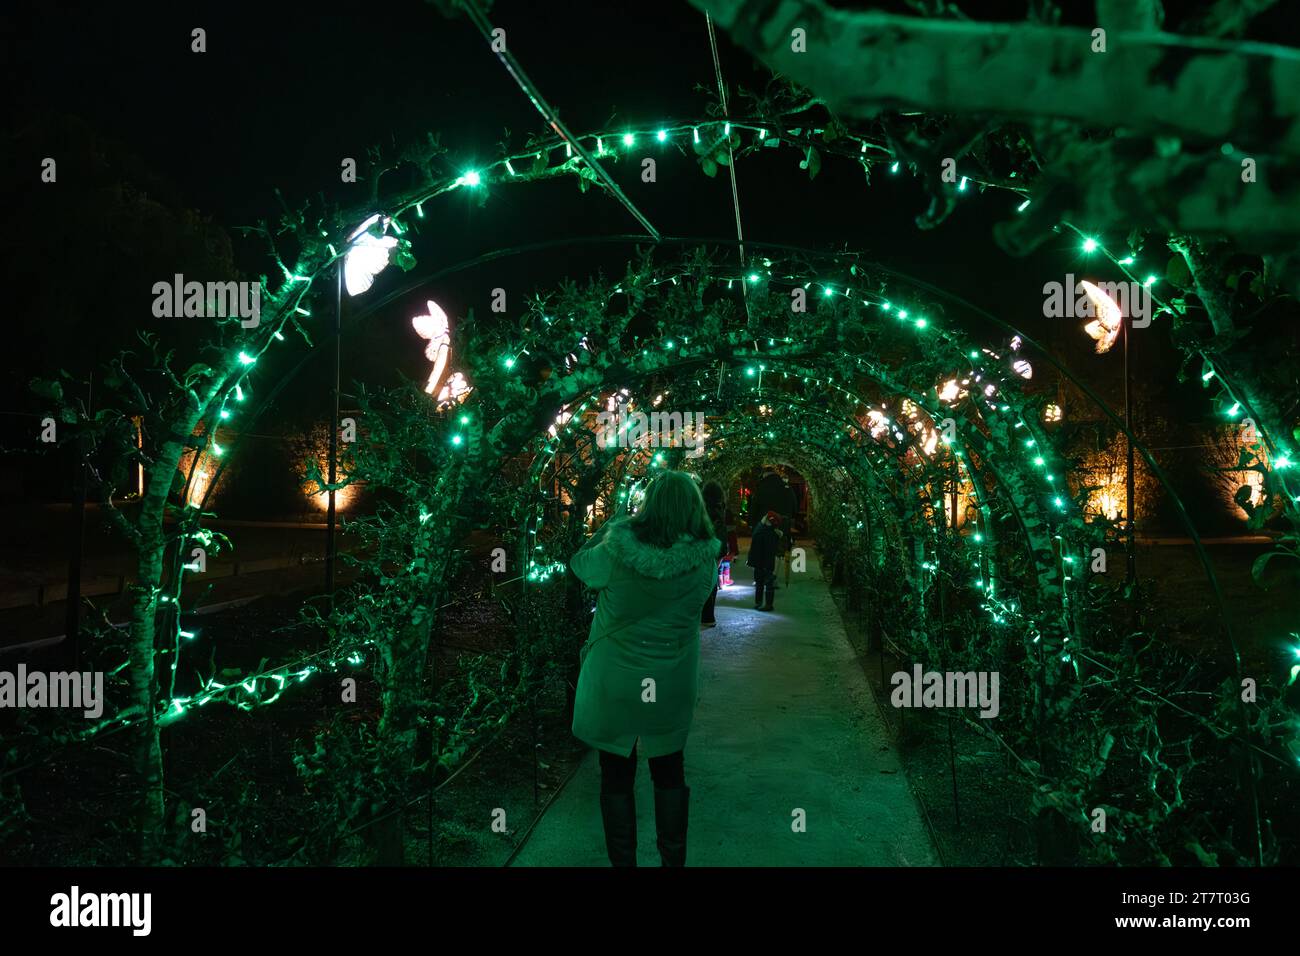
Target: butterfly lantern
[(367, 256), (1104, 329), (435, 327)]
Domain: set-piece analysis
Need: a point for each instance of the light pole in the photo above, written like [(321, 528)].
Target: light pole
[(1130, 572), (1108, 325), (331, 514)]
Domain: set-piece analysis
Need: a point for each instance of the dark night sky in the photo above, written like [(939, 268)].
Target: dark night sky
[(285, 91)]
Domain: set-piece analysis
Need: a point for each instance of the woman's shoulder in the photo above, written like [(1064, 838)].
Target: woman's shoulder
[(651, 561)]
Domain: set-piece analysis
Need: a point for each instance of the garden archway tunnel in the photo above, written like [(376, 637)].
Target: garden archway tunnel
[(876, 399), (905, 408)]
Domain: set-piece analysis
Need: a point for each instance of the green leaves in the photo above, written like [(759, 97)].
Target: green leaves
[(48, 389), (714, 148), (1261, 563)]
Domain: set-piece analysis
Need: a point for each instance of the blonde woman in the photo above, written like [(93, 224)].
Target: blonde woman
[(637, 688)]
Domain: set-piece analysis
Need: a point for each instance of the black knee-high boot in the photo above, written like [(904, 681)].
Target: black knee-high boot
[(671, 813), (618, 811)]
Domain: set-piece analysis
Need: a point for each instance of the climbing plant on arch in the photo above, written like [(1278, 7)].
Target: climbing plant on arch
[(872, 343)]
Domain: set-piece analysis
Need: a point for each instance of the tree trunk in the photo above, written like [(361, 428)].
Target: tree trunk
[(404, 663), (149, 568)]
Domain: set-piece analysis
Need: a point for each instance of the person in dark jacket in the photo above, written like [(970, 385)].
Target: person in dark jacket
[(763, 551), (772, 494), (715, 505)]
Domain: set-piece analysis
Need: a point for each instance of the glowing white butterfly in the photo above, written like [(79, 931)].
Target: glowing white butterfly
[(366, 257), (1105, 328), (435, 327)]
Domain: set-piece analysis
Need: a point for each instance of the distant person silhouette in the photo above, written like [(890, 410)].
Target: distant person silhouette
[(763, 550)]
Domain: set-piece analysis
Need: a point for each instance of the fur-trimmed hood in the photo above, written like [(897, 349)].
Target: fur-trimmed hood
[(652, 562)]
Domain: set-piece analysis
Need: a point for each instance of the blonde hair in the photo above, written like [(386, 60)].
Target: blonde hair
[(673, 507)]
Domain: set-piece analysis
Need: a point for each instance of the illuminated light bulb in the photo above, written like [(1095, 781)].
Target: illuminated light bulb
[(829, 291), (246, 359), (1090, 245), (217, 450), (1039, 461), (1126, 261), (628, 139), (1023, 206), (662, 135), (224, 414), (753, 277), (1234, 411), (894, 168), (471, 178), (961, 187), (726, 130), (1023, 369), (510, 362), (457, 439), (464, 419), (922, 322), (239, 394), (1149, 281), (902, 313)]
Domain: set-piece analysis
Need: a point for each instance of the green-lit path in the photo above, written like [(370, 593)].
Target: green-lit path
[(785, 721)]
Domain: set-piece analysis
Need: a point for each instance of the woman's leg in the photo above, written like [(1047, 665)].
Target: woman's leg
[(617, 774), (618, 806), (668, 771), (706, 615), (672, 802)]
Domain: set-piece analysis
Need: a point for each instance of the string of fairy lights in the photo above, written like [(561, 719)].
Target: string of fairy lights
[(364, 250)]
